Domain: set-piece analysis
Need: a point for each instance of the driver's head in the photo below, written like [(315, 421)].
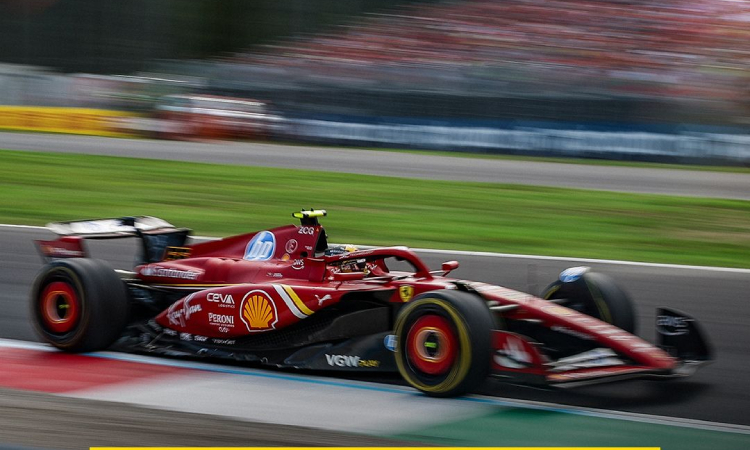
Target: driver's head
[(334, 250), (346, 266)]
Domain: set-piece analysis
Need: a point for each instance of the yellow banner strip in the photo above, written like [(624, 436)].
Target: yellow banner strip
[(378, 448), (98, 122)]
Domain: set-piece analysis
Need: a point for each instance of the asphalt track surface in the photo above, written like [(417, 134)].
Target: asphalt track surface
[(41, 421), (407, 165), (717, 393)]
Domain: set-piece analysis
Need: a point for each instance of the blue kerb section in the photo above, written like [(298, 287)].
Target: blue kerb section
[(20, 447)]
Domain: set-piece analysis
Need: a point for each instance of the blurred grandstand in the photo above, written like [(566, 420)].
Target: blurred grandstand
[(653, 66), (563, 57)]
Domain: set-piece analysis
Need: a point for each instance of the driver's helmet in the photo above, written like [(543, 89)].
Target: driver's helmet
[(354, 265), (334, 250)]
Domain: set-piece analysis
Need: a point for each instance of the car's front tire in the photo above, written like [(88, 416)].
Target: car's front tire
[(444, 342)]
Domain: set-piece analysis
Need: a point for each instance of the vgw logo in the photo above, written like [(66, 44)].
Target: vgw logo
[(342, 360), (261, 247), (351, 361)]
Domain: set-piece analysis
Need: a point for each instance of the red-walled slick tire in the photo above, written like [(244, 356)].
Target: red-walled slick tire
[(444, 342), (79, 305)]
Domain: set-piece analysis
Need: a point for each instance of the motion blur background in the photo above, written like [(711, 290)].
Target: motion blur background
[(665, 81), (607, 78)]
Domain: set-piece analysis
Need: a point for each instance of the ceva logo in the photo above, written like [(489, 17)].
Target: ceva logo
[(261, 247)]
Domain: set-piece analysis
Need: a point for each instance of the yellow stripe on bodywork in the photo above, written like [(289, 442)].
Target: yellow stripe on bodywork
[(293, 295)]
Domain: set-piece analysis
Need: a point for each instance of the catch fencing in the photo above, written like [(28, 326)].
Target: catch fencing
[(691, 146)]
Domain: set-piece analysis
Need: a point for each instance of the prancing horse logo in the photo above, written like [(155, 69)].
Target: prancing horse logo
[(406, 292)]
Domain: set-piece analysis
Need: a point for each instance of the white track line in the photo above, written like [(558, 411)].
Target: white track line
[(486, 400), (29, 227), (510, 256), (582, 260)]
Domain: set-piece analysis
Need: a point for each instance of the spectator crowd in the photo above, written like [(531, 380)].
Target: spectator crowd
[(697, 50)]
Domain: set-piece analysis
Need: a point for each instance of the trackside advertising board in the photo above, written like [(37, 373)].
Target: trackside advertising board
[(99, 122)]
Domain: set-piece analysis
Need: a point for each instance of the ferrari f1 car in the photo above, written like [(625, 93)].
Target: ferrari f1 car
[(284, 297)]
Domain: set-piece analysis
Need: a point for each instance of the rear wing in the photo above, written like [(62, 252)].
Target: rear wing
[(160, 239)]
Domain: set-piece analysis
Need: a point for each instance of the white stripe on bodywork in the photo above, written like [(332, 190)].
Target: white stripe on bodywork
[(289, 303)]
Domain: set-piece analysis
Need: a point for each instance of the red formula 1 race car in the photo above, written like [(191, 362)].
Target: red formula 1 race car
[(284, 297)]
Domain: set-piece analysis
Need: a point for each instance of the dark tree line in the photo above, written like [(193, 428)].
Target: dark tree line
[(116, 36)]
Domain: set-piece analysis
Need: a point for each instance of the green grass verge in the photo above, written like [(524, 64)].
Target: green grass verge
[(511, 427), (36, 188)]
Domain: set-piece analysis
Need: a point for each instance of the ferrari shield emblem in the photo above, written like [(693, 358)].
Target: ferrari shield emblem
[(406, 292)]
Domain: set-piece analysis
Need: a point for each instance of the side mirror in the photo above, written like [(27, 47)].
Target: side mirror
[(449, 266)]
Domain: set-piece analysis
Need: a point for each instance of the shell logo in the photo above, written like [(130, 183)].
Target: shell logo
[(258, 311)]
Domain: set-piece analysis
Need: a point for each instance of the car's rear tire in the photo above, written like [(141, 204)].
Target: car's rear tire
[(444, 342), (79, 305), (596, 295)]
